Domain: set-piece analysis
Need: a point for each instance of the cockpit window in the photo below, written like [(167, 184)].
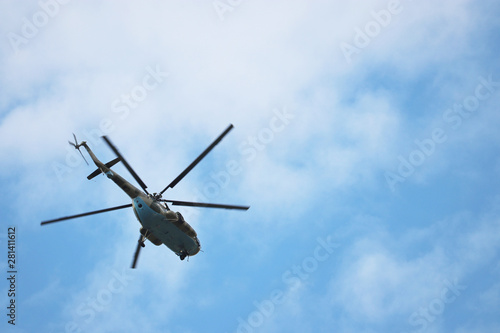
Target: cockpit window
[(179, 215)]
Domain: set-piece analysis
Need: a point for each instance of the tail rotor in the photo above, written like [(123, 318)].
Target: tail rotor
[(77, 147)]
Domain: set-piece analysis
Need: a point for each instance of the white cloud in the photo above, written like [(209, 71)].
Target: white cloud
[(346, 130)]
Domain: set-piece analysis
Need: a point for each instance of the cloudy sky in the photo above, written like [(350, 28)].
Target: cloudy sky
[(366, 143)]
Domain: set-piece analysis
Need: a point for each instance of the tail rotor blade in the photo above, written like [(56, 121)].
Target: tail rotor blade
[(83, 156), (75, 144), (78, 147)]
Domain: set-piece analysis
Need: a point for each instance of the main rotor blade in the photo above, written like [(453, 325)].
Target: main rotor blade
[(207, 205), (137, 250), (198, 159), (86, 214), (129, 168)]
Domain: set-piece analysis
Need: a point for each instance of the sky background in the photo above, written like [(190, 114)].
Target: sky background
[(366, 143)]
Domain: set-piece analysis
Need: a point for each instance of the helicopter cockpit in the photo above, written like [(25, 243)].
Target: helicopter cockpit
[(184, 226)]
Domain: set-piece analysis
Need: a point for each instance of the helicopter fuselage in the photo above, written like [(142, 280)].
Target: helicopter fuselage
[(166, 226), (160, 225)]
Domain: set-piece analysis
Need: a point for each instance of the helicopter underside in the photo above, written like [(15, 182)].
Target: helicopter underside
[(164, 229)]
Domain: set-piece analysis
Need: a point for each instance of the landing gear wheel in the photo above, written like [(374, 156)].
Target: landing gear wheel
[(143, 238), (183, 255)]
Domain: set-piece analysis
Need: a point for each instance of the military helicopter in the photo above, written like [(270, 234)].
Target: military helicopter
[(159, 224)]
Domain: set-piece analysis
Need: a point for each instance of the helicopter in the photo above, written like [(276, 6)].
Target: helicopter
[(159, 224)]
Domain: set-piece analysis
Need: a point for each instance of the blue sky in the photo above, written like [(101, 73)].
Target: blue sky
[(366, 143)]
